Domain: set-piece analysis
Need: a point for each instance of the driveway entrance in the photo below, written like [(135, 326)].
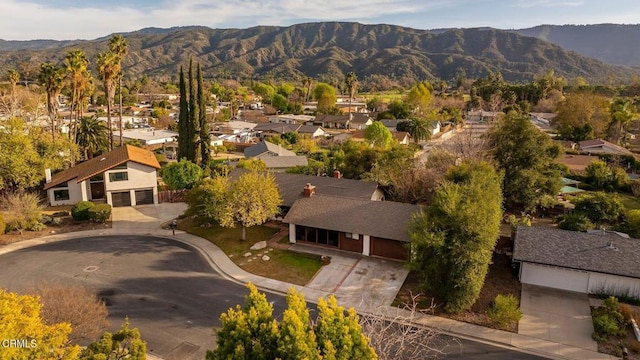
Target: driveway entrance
[(556, 315)]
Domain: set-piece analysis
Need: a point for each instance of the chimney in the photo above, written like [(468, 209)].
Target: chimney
[(47, 175), (337, 174), (309, 190)]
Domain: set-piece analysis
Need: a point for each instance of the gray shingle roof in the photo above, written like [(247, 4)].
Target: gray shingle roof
[(291, 185), (265, 146), (274, 162), (578, 250), (384, 219)]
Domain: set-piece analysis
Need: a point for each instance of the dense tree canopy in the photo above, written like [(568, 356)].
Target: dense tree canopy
[(378, 135), (582, 116), (251, 332), (181, 175), (453, 238), (21, 321), (526, 156)]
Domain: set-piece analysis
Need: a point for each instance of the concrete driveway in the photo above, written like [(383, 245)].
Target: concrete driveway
[(556, 315)]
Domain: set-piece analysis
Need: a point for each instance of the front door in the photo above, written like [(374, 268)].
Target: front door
[(97, 190)]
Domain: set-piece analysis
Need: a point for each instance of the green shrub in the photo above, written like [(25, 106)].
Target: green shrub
[(80, 211), (100, 213), (37, 226), (61, 213), (3, 225), (505, 310), (605, 325), (608, 320)]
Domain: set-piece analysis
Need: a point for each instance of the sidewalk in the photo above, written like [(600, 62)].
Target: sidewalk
[(147, 220)]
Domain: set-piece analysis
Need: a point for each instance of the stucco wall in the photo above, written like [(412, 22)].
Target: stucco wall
[(140, 177), (75, 194)]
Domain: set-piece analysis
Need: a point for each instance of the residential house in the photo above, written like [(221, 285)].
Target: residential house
[(274, 129), (359, 121), (148, 137), (402, 137), (332, 121), (266, 149), (124, 176), (435, 127), (370, 228), (291, 119), (282, 163), (483, 116), (542, 120), (599, 146), (600, 261), (312, 131), (576, 163), (392, 124), (291, 187)]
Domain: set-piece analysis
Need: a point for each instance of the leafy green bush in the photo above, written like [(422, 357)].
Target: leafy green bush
[(607, 319), (574, 222), (181, 175), (505, 310), (37, 226), (80, 211), (99, 213)]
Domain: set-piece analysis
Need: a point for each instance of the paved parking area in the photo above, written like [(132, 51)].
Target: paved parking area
[(555, 315)]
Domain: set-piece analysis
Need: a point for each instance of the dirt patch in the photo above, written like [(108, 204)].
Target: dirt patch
[(500, 280), (67, 225)]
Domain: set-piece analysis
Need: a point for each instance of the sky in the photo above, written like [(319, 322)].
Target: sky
[(90, 19)]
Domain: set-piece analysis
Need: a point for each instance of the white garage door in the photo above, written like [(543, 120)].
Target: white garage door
[(554, 277)]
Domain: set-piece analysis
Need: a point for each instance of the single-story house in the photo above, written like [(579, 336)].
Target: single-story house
[(290, 119), (273, 129), (402, 137), (125, 176), (290, 187), (599, 146), (577, 163), (282, 163), (370, 228), (392, 124), (600, 261), (359, 121), (542, 120), (332, 121), (312, 131), (265, 149), (481, 115), (147, 137)]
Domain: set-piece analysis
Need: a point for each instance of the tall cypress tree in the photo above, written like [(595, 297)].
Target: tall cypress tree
[(194, 117), (183, 120), (205, 139)]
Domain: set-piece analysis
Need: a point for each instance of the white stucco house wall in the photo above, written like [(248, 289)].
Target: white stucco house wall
[(596, 262), (126, 176)]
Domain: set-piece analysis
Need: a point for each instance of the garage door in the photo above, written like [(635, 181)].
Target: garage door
[(144, 197), (121, 199), (391, 249), (554, 277)]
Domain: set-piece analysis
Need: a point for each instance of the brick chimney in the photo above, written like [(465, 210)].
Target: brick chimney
[(309, 190), (337, 174), (47, 175)]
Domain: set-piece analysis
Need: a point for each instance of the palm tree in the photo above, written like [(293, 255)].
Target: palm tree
[(119, 47), (351, 81), (419, 129), (14, 78), (52, 79), (622, 111), (108, 71), (76, 64), (92, 137)]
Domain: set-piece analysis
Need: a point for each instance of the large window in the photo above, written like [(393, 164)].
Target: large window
[(59, 195), (118, 176), (319, 236), (119, 167)]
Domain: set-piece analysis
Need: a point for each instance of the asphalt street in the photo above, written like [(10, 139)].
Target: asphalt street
[(165, 288)]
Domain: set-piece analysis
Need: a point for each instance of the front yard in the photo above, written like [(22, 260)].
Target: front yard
[(500, 280), (282, 265)]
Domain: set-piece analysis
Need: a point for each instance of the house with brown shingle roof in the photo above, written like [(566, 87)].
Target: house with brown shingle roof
[(125, 176), (370, 228)]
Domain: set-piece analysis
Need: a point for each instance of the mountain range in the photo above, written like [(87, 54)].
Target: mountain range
[(328, 50)]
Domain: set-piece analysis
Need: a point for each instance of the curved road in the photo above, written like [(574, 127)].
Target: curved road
[(167, 289)]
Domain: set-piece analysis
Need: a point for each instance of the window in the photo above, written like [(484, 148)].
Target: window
[(119, 167), (59, 195), (63, 185), (97, 178), (118, 176)]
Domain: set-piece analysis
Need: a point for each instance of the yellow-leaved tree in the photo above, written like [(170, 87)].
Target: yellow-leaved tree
[(24, 335)]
